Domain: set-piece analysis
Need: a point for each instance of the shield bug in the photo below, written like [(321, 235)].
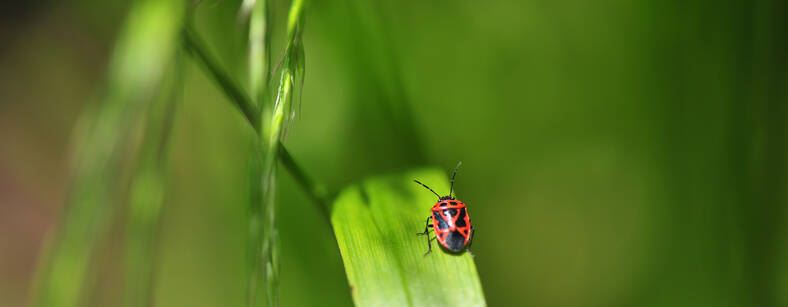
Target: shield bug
[(450, 220)]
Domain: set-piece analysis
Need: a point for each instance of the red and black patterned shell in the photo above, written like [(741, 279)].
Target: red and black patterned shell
[(452, 224)]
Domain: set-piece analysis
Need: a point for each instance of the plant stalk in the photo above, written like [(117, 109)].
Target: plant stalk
[(196, 47)]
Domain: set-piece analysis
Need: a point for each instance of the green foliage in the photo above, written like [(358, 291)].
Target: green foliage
[(376, 222), (641, 146), (135, 104), (275, 118), (144, 50), (147, 193)]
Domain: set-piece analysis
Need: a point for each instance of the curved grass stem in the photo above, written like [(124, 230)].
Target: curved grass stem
[(274, 122), (197, 48), (316, 192)]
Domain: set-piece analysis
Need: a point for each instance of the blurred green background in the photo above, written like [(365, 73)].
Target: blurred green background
[(615, 153)]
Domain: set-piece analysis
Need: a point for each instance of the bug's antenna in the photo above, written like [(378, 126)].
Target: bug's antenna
[(428, 188), (454, 173)]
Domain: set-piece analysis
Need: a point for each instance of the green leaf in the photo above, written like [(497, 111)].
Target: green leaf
[(143, 51), (148, 192), (375, 223)]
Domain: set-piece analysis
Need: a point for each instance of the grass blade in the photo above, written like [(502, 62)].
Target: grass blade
[(148, 195), (143, 51), (375, 223)]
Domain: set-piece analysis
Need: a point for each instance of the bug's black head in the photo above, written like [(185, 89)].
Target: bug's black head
[(447, 197)]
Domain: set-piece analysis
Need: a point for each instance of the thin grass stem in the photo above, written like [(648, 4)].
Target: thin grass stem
[(316, 192), (196, 47), (290, 74), (259, 76)]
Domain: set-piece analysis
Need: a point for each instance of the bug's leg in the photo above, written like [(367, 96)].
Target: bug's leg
[(427, 226), (473, 233), (429, 245), (426, 232), (470, 242)]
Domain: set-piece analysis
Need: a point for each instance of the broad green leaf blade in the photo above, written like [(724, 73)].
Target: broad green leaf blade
[(375, 223)]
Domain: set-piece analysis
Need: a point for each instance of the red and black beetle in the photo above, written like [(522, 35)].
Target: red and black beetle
[(450, 221)]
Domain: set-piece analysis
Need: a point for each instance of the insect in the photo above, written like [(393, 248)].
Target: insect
[(449, 220)]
